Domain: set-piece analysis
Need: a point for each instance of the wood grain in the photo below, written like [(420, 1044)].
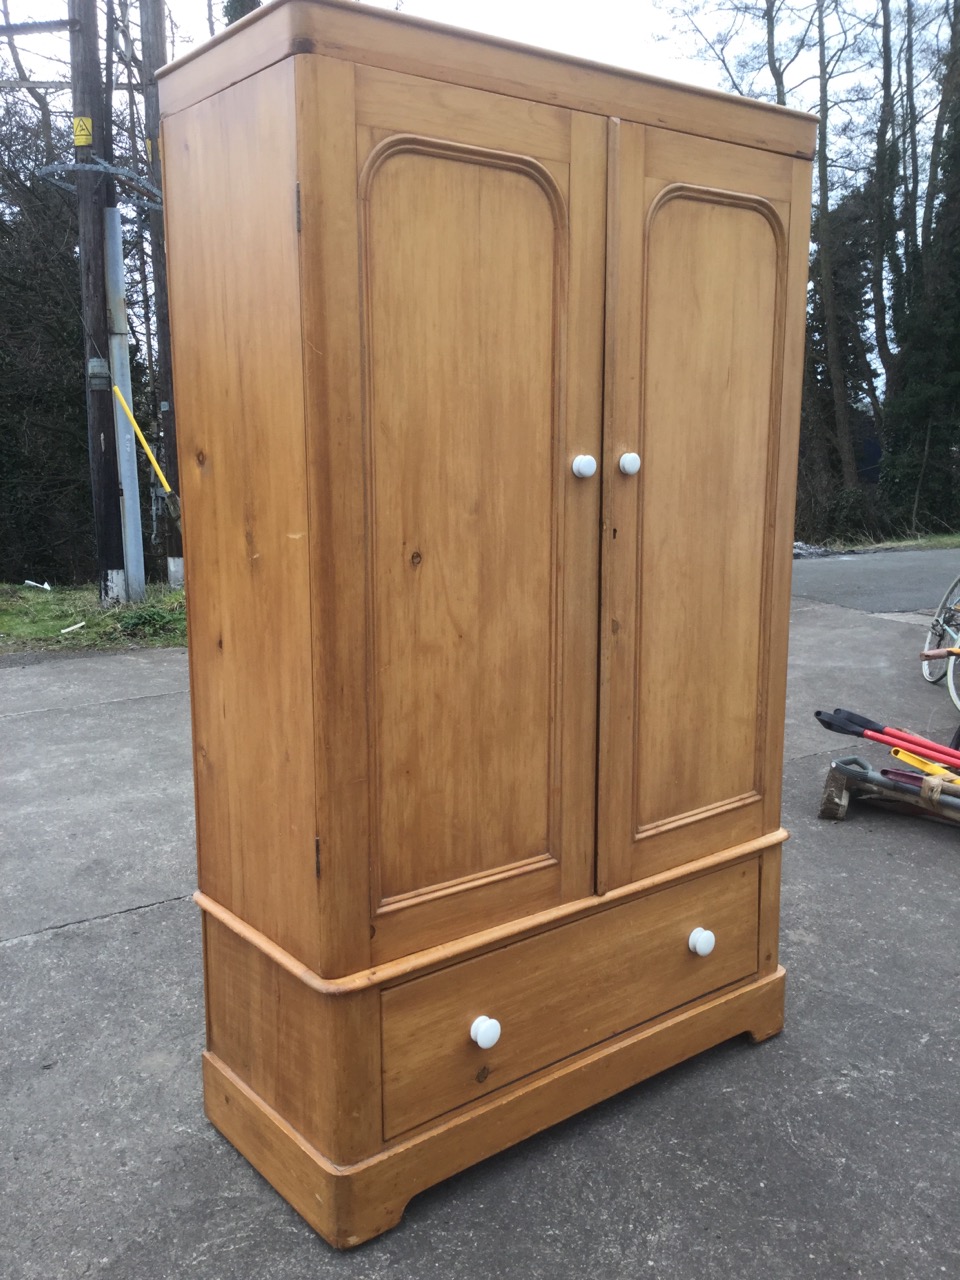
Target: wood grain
[(695, 323), (480, 119), (459, 251), (769, 937), (408, 45), (484, 940), (482, 320), (711, 322), (462, 721), (784, 501), (352, 1204), (430, 1064), (236, 351), (582, 416), (620, 529), (680, 157), (334, 464), (313, 1059)]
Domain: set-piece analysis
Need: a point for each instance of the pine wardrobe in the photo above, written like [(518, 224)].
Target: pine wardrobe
[(487, 366)]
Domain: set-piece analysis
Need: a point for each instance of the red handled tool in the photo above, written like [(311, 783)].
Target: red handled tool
[(857, 727), (910, 739)]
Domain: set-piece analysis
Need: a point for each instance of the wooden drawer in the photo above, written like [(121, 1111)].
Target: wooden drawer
[(560, 992)]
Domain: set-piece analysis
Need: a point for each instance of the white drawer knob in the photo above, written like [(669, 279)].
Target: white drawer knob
[(629, 463), (584, 466), (485, 1031), (702, 941)]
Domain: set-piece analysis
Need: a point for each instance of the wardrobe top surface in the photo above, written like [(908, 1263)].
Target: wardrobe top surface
[(341, 29)]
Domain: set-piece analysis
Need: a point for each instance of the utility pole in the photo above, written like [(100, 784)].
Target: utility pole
[(120, 377), (88, 127), (119, 340), (154, 48)]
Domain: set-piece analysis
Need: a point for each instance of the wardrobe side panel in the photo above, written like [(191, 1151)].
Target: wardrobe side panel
[(798, 270), (230, 188)]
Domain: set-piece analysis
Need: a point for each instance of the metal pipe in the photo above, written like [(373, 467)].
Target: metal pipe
[(126, 445)]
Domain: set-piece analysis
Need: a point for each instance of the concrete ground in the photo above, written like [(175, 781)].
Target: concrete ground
[(830, 1151)]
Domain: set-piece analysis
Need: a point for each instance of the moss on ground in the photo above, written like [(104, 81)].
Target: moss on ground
[(72, 618)]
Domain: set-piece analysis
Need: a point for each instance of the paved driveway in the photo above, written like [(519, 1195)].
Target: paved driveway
[(830, 1151)]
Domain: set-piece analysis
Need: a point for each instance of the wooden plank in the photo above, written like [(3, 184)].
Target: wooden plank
[(240, 50), (711, 326), (411, 46), (784, 502), (694, 386), (482, 275), (679, 157), (464, 307), (314, 1059), (488, 939), (236, 352), (620, 529), (477, 118), (408, 925), (335, 464), (769, 935), (350, 1205), (583, 417), (629, 965)]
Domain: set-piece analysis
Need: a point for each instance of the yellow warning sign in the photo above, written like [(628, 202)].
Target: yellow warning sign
[(82, 131)]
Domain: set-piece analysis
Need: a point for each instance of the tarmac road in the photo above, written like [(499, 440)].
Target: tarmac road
[(830, 1151), (878, 581)]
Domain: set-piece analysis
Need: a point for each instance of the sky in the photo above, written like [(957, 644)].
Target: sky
[(618, 32)]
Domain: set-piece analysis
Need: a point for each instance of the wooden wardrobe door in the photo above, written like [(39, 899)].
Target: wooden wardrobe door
[(480, 223), (696, 547)]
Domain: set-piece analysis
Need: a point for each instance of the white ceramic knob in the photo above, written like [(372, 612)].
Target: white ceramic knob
[(584, 466), (702, 941), (629, 463), (485, 1031)]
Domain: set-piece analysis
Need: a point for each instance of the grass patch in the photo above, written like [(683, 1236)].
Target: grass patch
[(925, 542), (34, 620)]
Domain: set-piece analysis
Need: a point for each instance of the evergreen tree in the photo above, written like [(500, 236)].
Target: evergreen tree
[(825, 508), (921, 478), (46, 519), (233, 10)]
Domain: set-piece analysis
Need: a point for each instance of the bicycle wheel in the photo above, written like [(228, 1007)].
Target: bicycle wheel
[(944, 632), (953, 681)]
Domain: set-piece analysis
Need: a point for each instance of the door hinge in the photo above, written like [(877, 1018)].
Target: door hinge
[(316, 856), (298, 208)]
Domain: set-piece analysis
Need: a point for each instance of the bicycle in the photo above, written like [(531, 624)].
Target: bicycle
[(942, 647)]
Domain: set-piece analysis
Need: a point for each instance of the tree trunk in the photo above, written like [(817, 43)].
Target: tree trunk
[(775, 70), (43, 105), (883, 195), (848, 464), (154, 56), (911, 185), (950, 88), (91, 197)]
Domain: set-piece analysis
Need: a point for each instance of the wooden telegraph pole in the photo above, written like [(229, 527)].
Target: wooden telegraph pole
[(88, 126), (154, 47)]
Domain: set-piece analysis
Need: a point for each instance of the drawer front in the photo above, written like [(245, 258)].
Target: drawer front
[(560, 992)]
